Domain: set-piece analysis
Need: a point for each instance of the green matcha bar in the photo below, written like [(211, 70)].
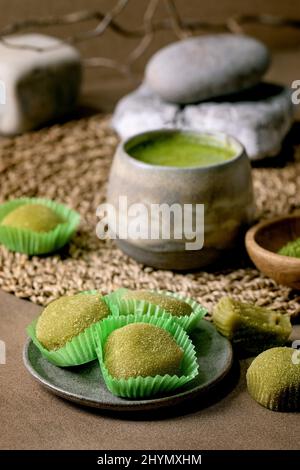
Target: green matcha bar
[(250, 327)]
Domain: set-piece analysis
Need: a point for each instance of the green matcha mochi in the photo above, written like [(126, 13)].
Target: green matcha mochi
[(35, 217), (141, 350), (174, 306), (273, 379), (68, 316)]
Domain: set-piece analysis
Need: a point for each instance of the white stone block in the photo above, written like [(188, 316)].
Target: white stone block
[(39, 81)]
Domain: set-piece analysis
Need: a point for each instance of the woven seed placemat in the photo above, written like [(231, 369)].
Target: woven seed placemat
[(70, 163)]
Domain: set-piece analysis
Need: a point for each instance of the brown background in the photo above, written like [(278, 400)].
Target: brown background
[(284, 42), (32, 418)]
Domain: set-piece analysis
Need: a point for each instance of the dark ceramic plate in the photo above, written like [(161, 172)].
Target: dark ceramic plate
[(84, 384)]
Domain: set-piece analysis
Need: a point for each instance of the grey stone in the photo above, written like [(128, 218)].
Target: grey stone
[(40, 81), (204, 67), (259, 118)]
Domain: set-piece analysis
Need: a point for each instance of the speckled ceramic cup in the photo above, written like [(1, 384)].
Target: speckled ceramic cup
[(224, 188)]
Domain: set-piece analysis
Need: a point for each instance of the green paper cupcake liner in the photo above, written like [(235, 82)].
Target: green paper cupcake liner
[(187, 322), (34, 243), (120, 307), (80, 350), (144, 387), (126, 306)]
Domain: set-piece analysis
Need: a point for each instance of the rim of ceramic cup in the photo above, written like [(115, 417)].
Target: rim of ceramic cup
[(222, 137)]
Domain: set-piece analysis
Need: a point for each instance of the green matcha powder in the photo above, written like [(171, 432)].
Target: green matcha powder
[(291, 249)]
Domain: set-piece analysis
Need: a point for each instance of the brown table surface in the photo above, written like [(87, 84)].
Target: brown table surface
[(33, 418)]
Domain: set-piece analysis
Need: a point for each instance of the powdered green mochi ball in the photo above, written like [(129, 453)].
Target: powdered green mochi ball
[(142, 350), (35, 217), (273, 379), (174, 306), (68, 316)]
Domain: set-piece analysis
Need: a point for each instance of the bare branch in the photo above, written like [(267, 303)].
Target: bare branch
[(106, 21), (148, 32), (182, 27), (178, 26)]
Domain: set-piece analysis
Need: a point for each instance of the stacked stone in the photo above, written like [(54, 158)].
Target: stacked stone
[(211, 83)]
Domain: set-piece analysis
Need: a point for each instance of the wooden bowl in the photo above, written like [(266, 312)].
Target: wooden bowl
[(263, 242)]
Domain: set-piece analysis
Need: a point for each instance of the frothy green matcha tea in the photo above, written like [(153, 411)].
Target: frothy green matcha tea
[(180, 150)]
